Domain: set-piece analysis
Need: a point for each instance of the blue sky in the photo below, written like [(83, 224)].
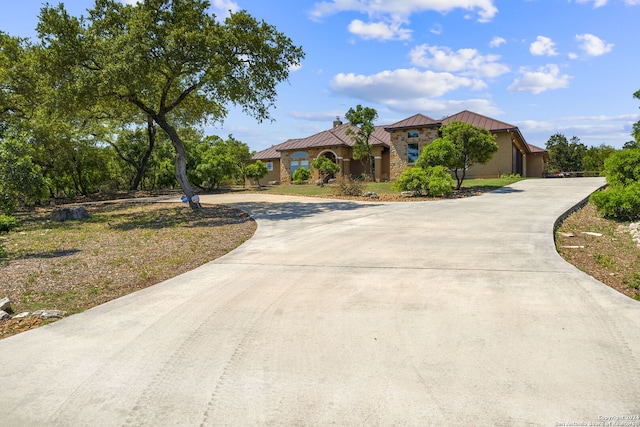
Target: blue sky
[(546, 66)]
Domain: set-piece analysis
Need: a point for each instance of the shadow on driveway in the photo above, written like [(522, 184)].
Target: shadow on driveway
[(295, 210)]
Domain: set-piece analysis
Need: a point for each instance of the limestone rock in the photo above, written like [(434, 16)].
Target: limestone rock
[(49, 314), (22, 315), (371, 195), (65, 214), (4, 315), (5, 304)]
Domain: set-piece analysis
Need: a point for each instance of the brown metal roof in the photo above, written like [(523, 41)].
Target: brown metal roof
[(535, 149), (479, 120), (270, 153), (416, 121)]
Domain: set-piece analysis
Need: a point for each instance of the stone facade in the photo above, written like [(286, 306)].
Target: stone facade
[(399, 143)]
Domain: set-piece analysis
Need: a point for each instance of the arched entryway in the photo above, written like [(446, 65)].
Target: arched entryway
[(331, 155)]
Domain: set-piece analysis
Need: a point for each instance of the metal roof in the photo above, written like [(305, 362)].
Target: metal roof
[(337, 136), (416, 121), (479, 120)]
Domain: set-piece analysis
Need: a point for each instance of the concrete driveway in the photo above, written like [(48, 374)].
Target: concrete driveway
[(457, 312)]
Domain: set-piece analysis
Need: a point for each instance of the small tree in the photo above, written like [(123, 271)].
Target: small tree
[(301, 175), (326, 167), (461, 146), (362, 118), (257, 171)]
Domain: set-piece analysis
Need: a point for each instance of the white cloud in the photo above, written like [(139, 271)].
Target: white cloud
[(498, 41), (130, 1), (399, 85), (543, 46), (486, 9), (597, 3), (225, 6), (379, 30), (467, 61), (441, 107), (545, 78), (592, 45)]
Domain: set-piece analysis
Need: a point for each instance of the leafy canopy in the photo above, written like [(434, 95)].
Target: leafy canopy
[(460, 146), (362, 119)]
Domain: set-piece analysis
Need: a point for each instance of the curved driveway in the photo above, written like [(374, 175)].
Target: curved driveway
[(457, 312)]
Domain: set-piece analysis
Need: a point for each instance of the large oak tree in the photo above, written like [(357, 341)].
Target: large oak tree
[(171, 59)]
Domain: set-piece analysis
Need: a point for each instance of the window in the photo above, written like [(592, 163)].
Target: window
[(412, 153), (299, 159), (270, 166), (413, 134)]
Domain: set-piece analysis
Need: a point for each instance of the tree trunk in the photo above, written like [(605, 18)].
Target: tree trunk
[(181, 159), (142, 167)]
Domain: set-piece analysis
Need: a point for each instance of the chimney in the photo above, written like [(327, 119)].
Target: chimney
[(337, 122)]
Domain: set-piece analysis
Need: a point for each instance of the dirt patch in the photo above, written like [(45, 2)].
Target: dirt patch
[(601, 248), (121, 248)]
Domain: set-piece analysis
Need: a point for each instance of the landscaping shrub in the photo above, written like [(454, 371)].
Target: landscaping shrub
[(349, 187), (7, 223), (623, 167), (301, 176), (435, 181), (440, 182), (412, 179), (618, 202)]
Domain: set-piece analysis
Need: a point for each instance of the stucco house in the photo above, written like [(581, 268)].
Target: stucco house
[(397, 146)]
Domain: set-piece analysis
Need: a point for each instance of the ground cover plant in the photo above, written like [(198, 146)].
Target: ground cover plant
[(121, 248)]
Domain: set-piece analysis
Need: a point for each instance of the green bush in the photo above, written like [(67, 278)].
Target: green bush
[(349, 187), (301, 176), (7, 223), (440, 182), (623, 167), (619, 203), (412, 179), (434, 180)]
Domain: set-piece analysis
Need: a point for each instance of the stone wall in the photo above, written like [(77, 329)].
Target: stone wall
[(398, 150)]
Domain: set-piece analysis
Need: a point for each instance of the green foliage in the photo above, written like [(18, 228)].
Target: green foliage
[(440, 182), (461, 146), (564, 155), (301, 176), (362, 118), (213, 161), (510, 176), (7, 223), (170, 60), (21, 180), (434, 180), (412, 179), (623, 167), (350, 187), (594, 158), (326, 167), (440, 152), (257, 171), (621, 203)]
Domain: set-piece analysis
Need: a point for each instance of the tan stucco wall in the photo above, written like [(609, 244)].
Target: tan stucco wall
[(535, 165), (500, 163), (398, 150), (273, 175)]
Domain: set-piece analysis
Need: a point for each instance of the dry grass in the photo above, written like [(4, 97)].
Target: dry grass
[(121, 248), (613, 258)]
